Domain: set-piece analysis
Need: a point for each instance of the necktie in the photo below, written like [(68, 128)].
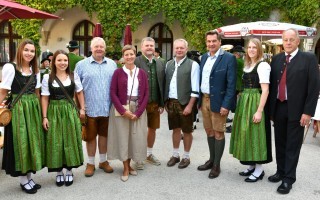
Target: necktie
[(131, 72), (282, 84)]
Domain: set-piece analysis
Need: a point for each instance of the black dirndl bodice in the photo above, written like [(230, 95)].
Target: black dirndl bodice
[(56, 93), (251, 79), (20, 81)]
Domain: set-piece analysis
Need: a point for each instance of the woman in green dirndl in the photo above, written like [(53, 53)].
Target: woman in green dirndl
[(61, 119), (251, 133), (24, 150)]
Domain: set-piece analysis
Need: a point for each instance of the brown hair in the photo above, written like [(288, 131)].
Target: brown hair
[(19, 56), (54, 67), (247, 59), (214, 32), (128, 47)]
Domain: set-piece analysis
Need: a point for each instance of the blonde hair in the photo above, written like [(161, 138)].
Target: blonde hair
[(247, 59), (181, 40), (128, 47)]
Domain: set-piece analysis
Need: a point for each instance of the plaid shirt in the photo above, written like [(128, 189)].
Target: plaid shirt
[(96, 81)]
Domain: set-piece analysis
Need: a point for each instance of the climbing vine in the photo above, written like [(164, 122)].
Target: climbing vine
[(196, 16)]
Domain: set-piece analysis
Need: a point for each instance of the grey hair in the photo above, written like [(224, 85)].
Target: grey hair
[(150, 39), (96, 40), (181, 40), (292, 29)]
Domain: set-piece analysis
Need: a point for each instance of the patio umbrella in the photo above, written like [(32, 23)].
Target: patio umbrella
[(97, 31), (127, 35), (263, 29), (12, 10)]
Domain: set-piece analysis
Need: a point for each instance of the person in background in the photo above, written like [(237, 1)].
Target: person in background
[(49, 56), (128, 133), (251, 136), (157, 55), (61, 120), (73, 54), (44, 67), (24, 146), (237, 51), (95, 73)]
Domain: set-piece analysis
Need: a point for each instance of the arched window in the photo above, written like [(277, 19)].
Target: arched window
[(83, 34), (164, 39), (9, 40)]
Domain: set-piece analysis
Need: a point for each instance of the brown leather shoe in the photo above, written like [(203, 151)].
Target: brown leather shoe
[(89, 170), (206, 166), (215, 171), (184, 163), (106, 167), (173, 161)]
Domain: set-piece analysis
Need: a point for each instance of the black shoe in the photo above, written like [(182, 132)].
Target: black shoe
[(206, 166), (284, 188), (35, 185), (248, 173), (229, 120), (275, 178), (255, 178), (194, 126), (67, 181), (60, 183), (29, 191), (229, 129)]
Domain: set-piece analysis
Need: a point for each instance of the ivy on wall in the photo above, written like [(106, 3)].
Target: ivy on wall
[(196, 17)]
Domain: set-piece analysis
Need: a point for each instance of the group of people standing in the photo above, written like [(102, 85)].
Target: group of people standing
[(121, 108)]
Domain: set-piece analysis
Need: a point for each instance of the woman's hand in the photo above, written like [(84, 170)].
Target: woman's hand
[(134, 117), (45, 123), (128, 114), (257, 117)]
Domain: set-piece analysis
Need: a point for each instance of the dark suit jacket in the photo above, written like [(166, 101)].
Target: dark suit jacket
[(222, 81), (302, 84), (140, 62)]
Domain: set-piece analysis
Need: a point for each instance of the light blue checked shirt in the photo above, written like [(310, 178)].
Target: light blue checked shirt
[(96, 81)]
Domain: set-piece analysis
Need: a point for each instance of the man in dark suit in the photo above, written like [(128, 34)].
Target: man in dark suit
[(217, 97), (156, 72), (294, 90)]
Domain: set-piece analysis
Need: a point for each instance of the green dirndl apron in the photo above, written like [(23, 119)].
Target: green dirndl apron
[(248, 139), (63, 140)]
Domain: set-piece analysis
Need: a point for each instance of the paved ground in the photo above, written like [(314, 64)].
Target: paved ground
[(161, 182)]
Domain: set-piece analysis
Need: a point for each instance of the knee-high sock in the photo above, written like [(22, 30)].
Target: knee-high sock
[(219, 148), (211, 143)]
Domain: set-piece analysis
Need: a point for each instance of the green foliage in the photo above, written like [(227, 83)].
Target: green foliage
[(31, 28), (196, 17), (305, 12)]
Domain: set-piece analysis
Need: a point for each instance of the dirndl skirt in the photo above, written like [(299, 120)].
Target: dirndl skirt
[(24, 142), (248, 140), (127, 139), (63, 140)]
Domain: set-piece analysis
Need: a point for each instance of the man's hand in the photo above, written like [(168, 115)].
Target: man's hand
[(161, 110), (224, 111), (305, 120), (187, 110)]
